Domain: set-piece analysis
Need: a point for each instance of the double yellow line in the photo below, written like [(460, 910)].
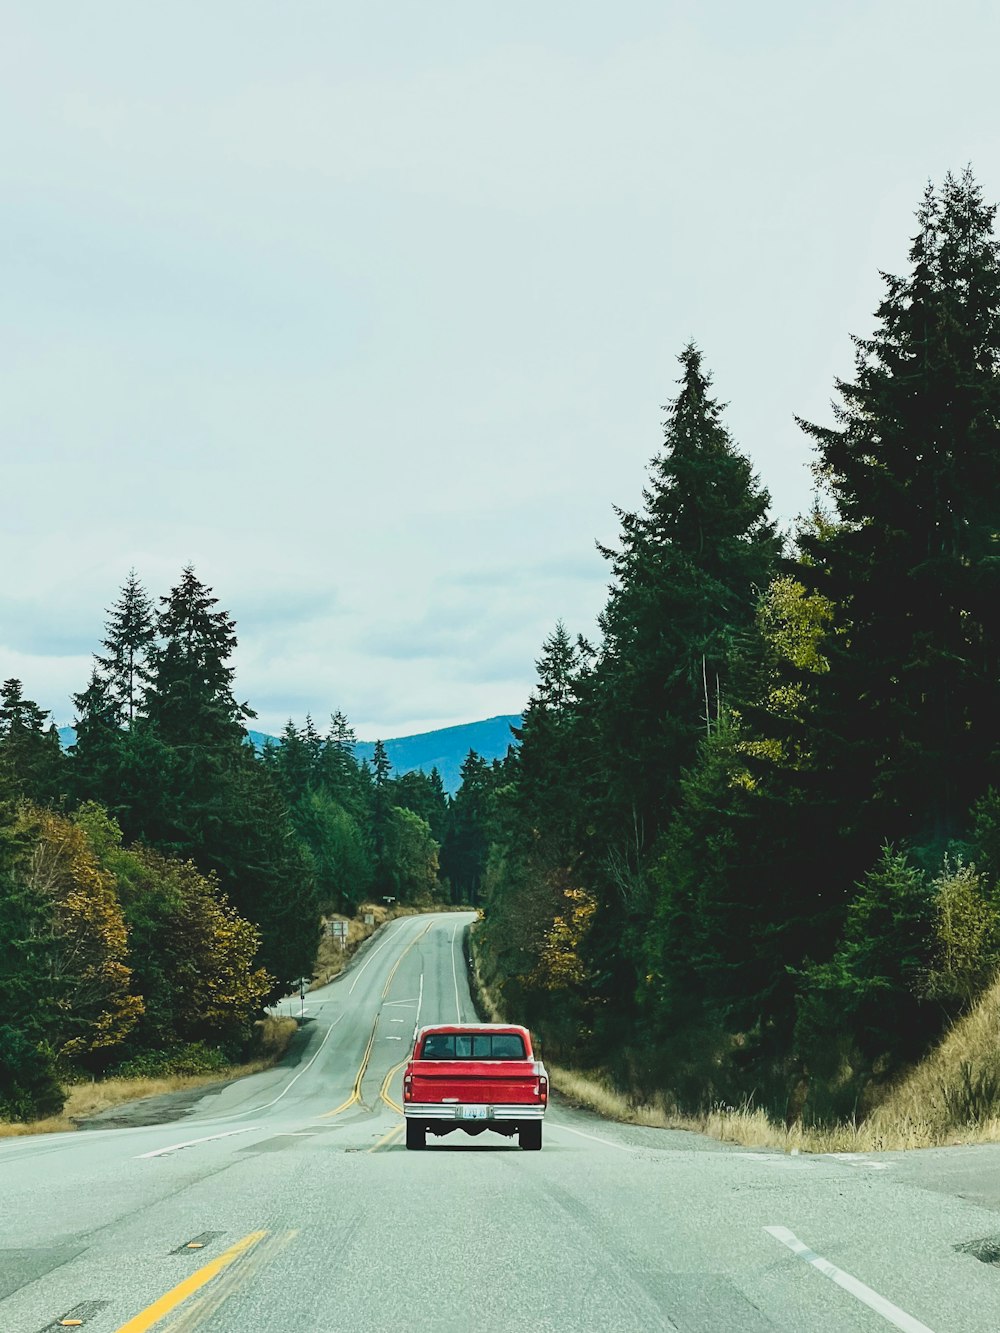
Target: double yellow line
[(356, 1090), (161, 1308), (355, 1096), (395, 968)]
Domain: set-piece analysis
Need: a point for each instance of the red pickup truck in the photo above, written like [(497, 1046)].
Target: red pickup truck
[(474, 1076)]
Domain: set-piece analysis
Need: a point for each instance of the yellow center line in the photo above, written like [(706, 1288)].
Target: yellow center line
[(384, 1090), (385, 1138), (416, 940), (356, 1092), (337, 1109), (155, 1312)]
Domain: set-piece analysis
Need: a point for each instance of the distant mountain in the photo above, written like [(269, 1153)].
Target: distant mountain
[(444, 750)]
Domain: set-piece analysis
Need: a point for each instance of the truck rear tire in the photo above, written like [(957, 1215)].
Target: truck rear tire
[(416, 1135), (530, 1136)]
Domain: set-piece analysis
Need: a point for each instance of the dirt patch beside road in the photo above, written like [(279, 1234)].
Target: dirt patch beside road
[(159, 1108)]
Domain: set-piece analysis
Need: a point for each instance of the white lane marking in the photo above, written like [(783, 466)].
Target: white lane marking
[(255, 1110), (397, 1020), (857, 1159), (454, 973), (782, 1161), (420, 1000), (189, 1143), (891, 1313), (371, 956), (607, 1142)]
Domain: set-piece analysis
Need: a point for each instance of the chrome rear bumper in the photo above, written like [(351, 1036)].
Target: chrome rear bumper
[(451, 1111)]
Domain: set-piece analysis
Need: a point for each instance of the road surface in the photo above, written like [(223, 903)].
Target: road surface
[(287, 1202)]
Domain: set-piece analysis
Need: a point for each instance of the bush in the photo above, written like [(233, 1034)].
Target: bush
[(177, 1062), (29, 1089), (966, 937)]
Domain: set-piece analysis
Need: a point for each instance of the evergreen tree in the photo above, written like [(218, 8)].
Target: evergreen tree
[(463, 854), (411, 858), (292, 763), (685, 580), (551, 739), (31, 757), (189, 697), (340, 858), (381, 808), (424, 795), (249, 842), (95, 755), (913, 466), (339, 771), (129, 636), (870, 992)]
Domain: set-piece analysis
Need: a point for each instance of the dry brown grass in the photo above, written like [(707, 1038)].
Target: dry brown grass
[(951, 1097), (331, 959), (83, 1100), (272, 1037), (915, 1115)]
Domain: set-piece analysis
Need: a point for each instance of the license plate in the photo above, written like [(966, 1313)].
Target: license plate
[(475, 1112)]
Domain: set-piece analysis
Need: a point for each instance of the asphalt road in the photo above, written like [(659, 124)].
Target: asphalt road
[(287, 1202)]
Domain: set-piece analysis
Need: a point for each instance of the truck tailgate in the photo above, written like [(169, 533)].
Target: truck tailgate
[(510, 1082)]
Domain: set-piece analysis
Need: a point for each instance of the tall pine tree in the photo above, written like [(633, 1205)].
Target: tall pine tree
[(685, 580), (128, 641), (189, 697), (913, 467)]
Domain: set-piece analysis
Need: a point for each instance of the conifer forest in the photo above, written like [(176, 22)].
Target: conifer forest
[(745, 844)]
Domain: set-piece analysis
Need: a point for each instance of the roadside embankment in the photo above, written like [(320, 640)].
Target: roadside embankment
[(952, 1096), (332, 957), (99, 1098)]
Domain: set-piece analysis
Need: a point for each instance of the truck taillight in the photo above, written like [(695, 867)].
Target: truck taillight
[(407, 1087), (543, 1089)]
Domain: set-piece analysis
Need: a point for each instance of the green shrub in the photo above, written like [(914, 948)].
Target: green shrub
[(178, 1061), (966, 937), (29, 1089)]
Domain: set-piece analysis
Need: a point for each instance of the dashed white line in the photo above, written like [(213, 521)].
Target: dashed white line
[(454, 973), (891, 1313), (189, 1143), (420, 1000)]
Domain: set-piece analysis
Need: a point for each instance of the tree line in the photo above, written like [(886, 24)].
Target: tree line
[(161, 880), (749, 844)]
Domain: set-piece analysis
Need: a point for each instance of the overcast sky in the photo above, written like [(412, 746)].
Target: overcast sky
[(368, 310)]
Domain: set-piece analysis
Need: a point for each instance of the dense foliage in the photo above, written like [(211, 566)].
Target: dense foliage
[(748, 846), (161, 881)]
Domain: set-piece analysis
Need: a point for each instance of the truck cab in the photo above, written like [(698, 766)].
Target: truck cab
[(473, 1077)]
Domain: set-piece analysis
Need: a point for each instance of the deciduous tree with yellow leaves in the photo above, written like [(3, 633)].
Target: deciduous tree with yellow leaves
[(88, 1003)]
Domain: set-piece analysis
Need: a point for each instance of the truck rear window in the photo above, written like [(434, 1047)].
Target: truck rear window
[(473, 1046)]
